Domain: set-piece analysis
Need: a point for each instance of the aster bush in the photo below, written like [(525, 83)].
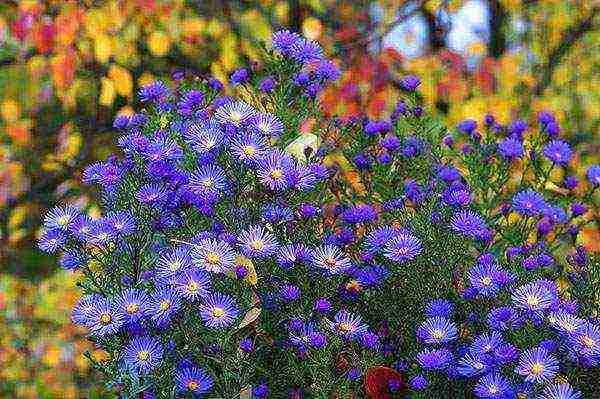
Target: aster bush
[(251, 247)]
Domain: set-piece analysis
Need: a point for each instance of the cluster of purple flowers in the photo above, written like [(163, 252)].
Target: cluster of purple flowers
[(220, 246)]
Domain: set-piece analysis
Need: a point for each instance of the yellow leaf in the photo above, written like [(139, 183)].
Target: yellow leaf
[(122, 80), (249, 317), (159, 43), (108, 93), (103, 48), (297, 147), (10, 111), (311, 27), (251, 276)]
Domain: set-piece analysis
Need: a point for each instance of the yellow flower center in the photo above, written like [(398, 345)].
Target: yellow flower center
[(257, 245), (164, 304), (218, 312), (263, 127), (537, 368), (143, 355), (249, 150), (213, 258), (437, 334), (330, 262), (192, 286), (174, 265), (208, 182), (344, 327), (105, 318), (588, 341), (193, 385), (276, 174), (63, 220), (235, 116), (486, 280), (133, 308), (532, 300), (353, 285), (493, 389)]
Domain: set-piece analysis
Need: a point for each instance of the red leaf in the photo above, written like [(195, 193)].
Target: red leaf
[(377, 379)]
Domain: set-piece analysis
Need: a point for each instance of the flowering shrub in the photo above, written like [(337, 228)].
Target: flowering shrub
[(250, 246)]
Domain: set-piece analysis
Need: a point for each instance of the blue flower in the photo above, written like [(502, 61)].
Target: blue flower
[(218, 311), (403, 247), (493, 386), (560, 391), (469, 223), (330, 259), (593, 175), (437, 330), (348, 325), (134, 305), (528, 203), (256, 242), (192, 284), (439, 308), (143, 354), (510, 148), (558, 151), (194, 380), (215, 256), (435, 359), (537, 365)]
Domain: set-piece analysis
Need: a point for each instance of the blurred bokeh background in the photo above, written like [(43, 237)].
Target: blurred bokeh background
[(68, 67)]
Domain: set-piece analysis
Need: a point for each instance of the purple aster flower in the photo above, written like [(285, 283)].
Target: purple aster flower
[(362, 213), (493, 386), (474, 364), (537, 365), (204, 138), (403, 247), (151, 193), (256, 242), (51, 240), (120, 122), (487, 342), (330, 259), (104, 318), (510, 148), (192, 284), (163, 304), (72, 259), (586, 343), (467, 126), (284, 40), (84, 310), (439, 308), (437, 330), (457, 195), (448, 174), (289, 293), (558, 151), (239, 76), (207, 180), (267, 84), (154, 92), (143, 354), (560, 391), (304, 51), (469, 223), (534, 297), (435, 359), (410, 83), (61, 218), (362, 161), (322, 305), (274, 169), (215, 84), (488, 278), (101, 233), (266, 124), (292, 254), (190, 102), (193, 380), (504, 318), (570, 182), (218, 311), (122, 222), (517, 128), (348, 325), (247, 345), (378, 238), (528, 203), (250, 147), (133, 304), (419, 382), (593, 175), (172, 262), (327, 70), (260, 391), (215, 256), (234, 113)]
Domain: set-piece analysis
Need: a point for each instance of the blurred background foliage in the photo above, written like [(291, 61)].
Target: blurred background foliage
[(68, 67)]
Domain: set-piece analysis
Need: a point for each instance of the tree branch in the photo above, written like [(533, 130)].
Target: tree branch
[(569, 38)]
